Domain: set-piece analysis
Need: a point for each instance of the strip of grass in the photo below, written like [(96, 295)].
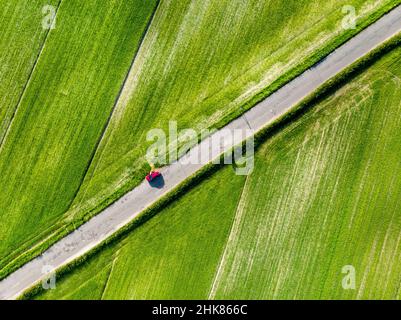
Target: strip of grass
[(324, 195), (22, 38), (62, 116)]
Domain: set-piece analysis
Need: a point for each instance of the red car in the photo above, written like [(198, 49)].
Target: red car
[(153, 175)]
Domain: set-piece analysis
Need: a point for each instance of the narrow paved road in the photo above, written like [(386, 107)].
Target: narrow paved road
[(123, 211)]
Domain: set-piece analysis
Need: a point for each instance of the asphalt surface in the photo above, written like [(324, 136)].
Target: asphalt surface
[(92, 233)]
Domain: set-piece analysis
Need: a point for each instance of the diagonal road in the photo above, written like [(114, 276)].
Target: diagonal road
[(92, 233)]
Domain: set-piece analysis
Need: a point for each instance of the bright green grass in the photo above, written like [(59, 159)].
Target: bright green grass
[(199, 63), (21, 39), (62, 115), (325, 194)]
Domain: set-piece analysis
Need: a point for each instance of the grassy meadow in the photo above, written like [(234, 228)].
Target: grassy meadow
[(324, 194)]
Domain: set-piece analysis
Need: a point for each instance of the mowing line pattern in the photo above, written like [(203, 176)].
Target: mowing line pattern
[(5, 126), (234, 229)]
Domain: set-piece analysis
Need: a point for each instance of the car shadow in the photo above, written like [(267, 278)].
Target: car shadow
[(158, 182)]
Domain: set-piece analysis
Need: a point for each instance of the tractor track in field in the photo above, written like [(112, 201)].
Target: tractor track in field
[(122, 212)]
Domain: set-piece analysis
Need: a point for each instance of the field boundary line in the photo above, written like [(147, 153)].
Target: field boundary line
[(28, 81), (234, 227), (110, 272)]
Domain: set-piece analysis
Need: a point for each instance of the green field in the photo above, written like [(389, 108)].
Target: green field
[(63, 111), (325, 194), (76, 129)]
